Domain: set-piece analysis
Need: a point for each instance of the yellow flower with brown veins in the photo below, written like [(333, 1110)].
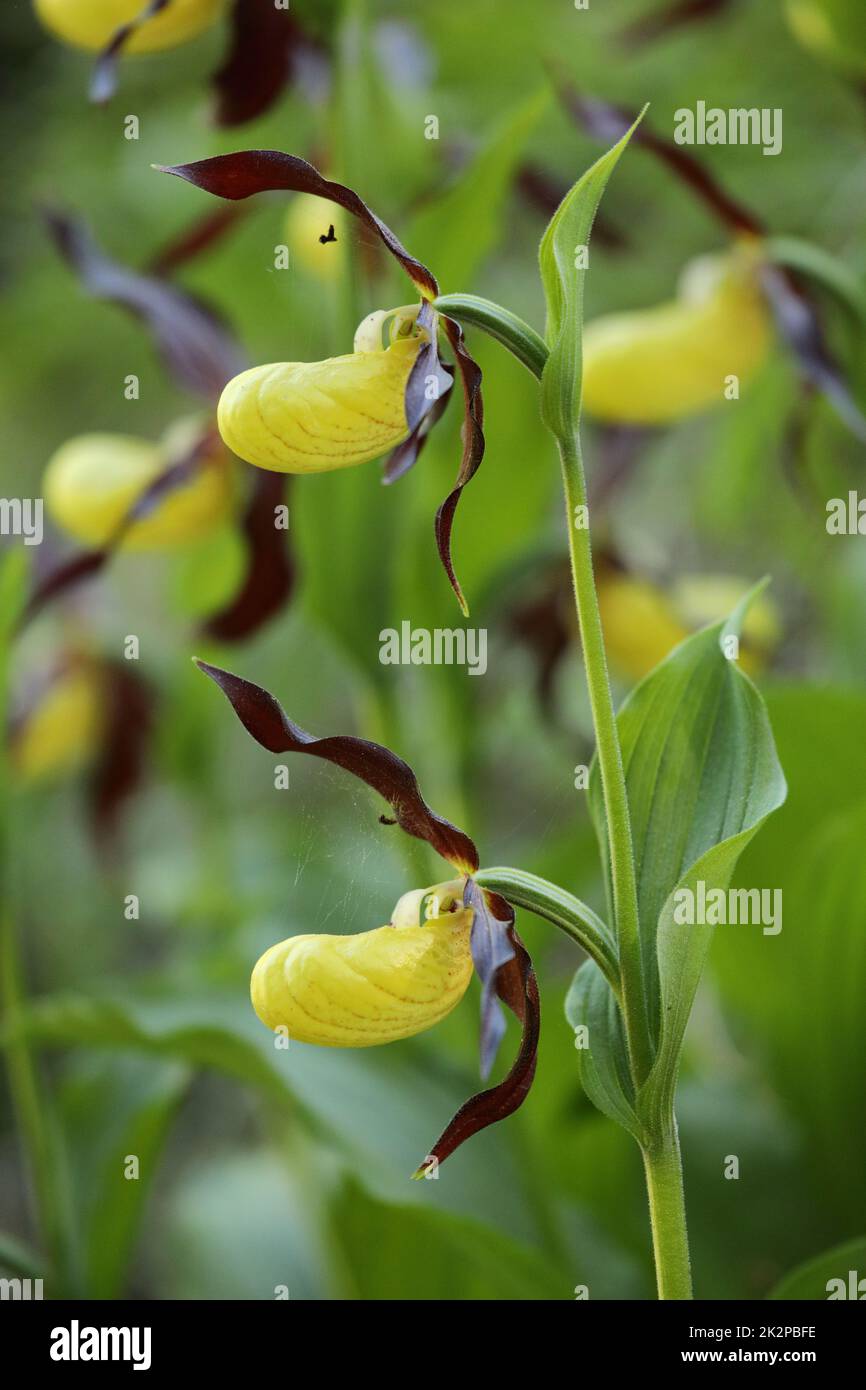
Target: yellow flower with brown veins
[(382, 398), (404, 977), (376, 986), (311, 417)]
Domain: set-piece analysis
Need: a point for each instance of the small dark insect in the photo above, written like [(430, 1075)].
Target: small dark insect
[(330, 237)]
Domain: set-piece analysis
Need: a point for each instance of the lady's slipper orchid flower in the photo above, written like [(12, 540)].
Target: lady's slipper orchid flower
[(86, 714), (661, 364), (61, 730), (266, 43), (334, 414), (112, 489), (402, 978), (311, 417), (376, 986), (91, 24)]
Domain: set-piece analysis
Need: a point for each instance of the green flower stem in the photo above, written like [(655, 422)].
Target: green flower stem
[(565, 911), (622, 870), (660, 1149), (664, 1181), (526, 345)]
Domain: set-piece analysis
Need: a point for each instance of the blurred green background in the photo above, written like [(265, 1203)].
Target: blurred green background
[(261, 1168)]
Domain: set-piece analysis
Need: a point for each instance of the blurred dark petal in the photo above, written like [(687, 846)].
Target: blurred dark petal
[(270, 576), (800, 327), (671, 17), (197, 347)]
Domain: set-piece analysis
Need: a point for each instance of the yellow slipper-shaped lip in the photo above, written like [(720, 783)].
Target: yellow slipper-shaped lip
[(374, 987), (312, 417)]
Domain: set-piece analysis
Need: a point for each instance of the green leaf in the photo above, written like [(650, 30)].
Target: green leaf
[(380, 1106), (433, 1255), (241, 1226), (603, 1065), (702, 776), (454, 233), (19, 1259), (797, 998), (562, 246), (112, 1108), (811, 1280)]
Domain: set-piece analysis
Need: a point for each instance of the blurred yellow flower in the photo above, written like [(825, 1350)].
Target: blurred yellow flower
[(90, 24), (94, 480), (374, 987), (61, 732), (652, 366), (833, 29), (643, 622), (314, 229)]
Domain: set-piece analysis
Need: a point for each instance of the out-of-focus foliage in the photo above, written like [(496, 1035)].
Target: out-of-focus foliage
[(262, 1168)]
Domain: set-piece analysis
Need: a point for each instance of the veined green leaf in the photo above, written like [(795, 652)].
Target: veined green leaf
[(603, 1064), (562, 263), (702, 775), (827, 1274), (462, 1258)]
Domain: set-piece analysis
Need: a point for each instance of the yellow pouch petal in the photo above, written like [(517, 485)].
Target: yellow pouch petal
[(90, 24), (311, 417), (665, 363), (374, 987), (93, 480)]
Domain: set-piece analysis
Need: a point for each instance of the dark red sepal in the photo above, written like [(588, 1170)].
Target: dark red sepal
[(517, 987), (247, 172), (472, 435), (270, 575), (265, 719)]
